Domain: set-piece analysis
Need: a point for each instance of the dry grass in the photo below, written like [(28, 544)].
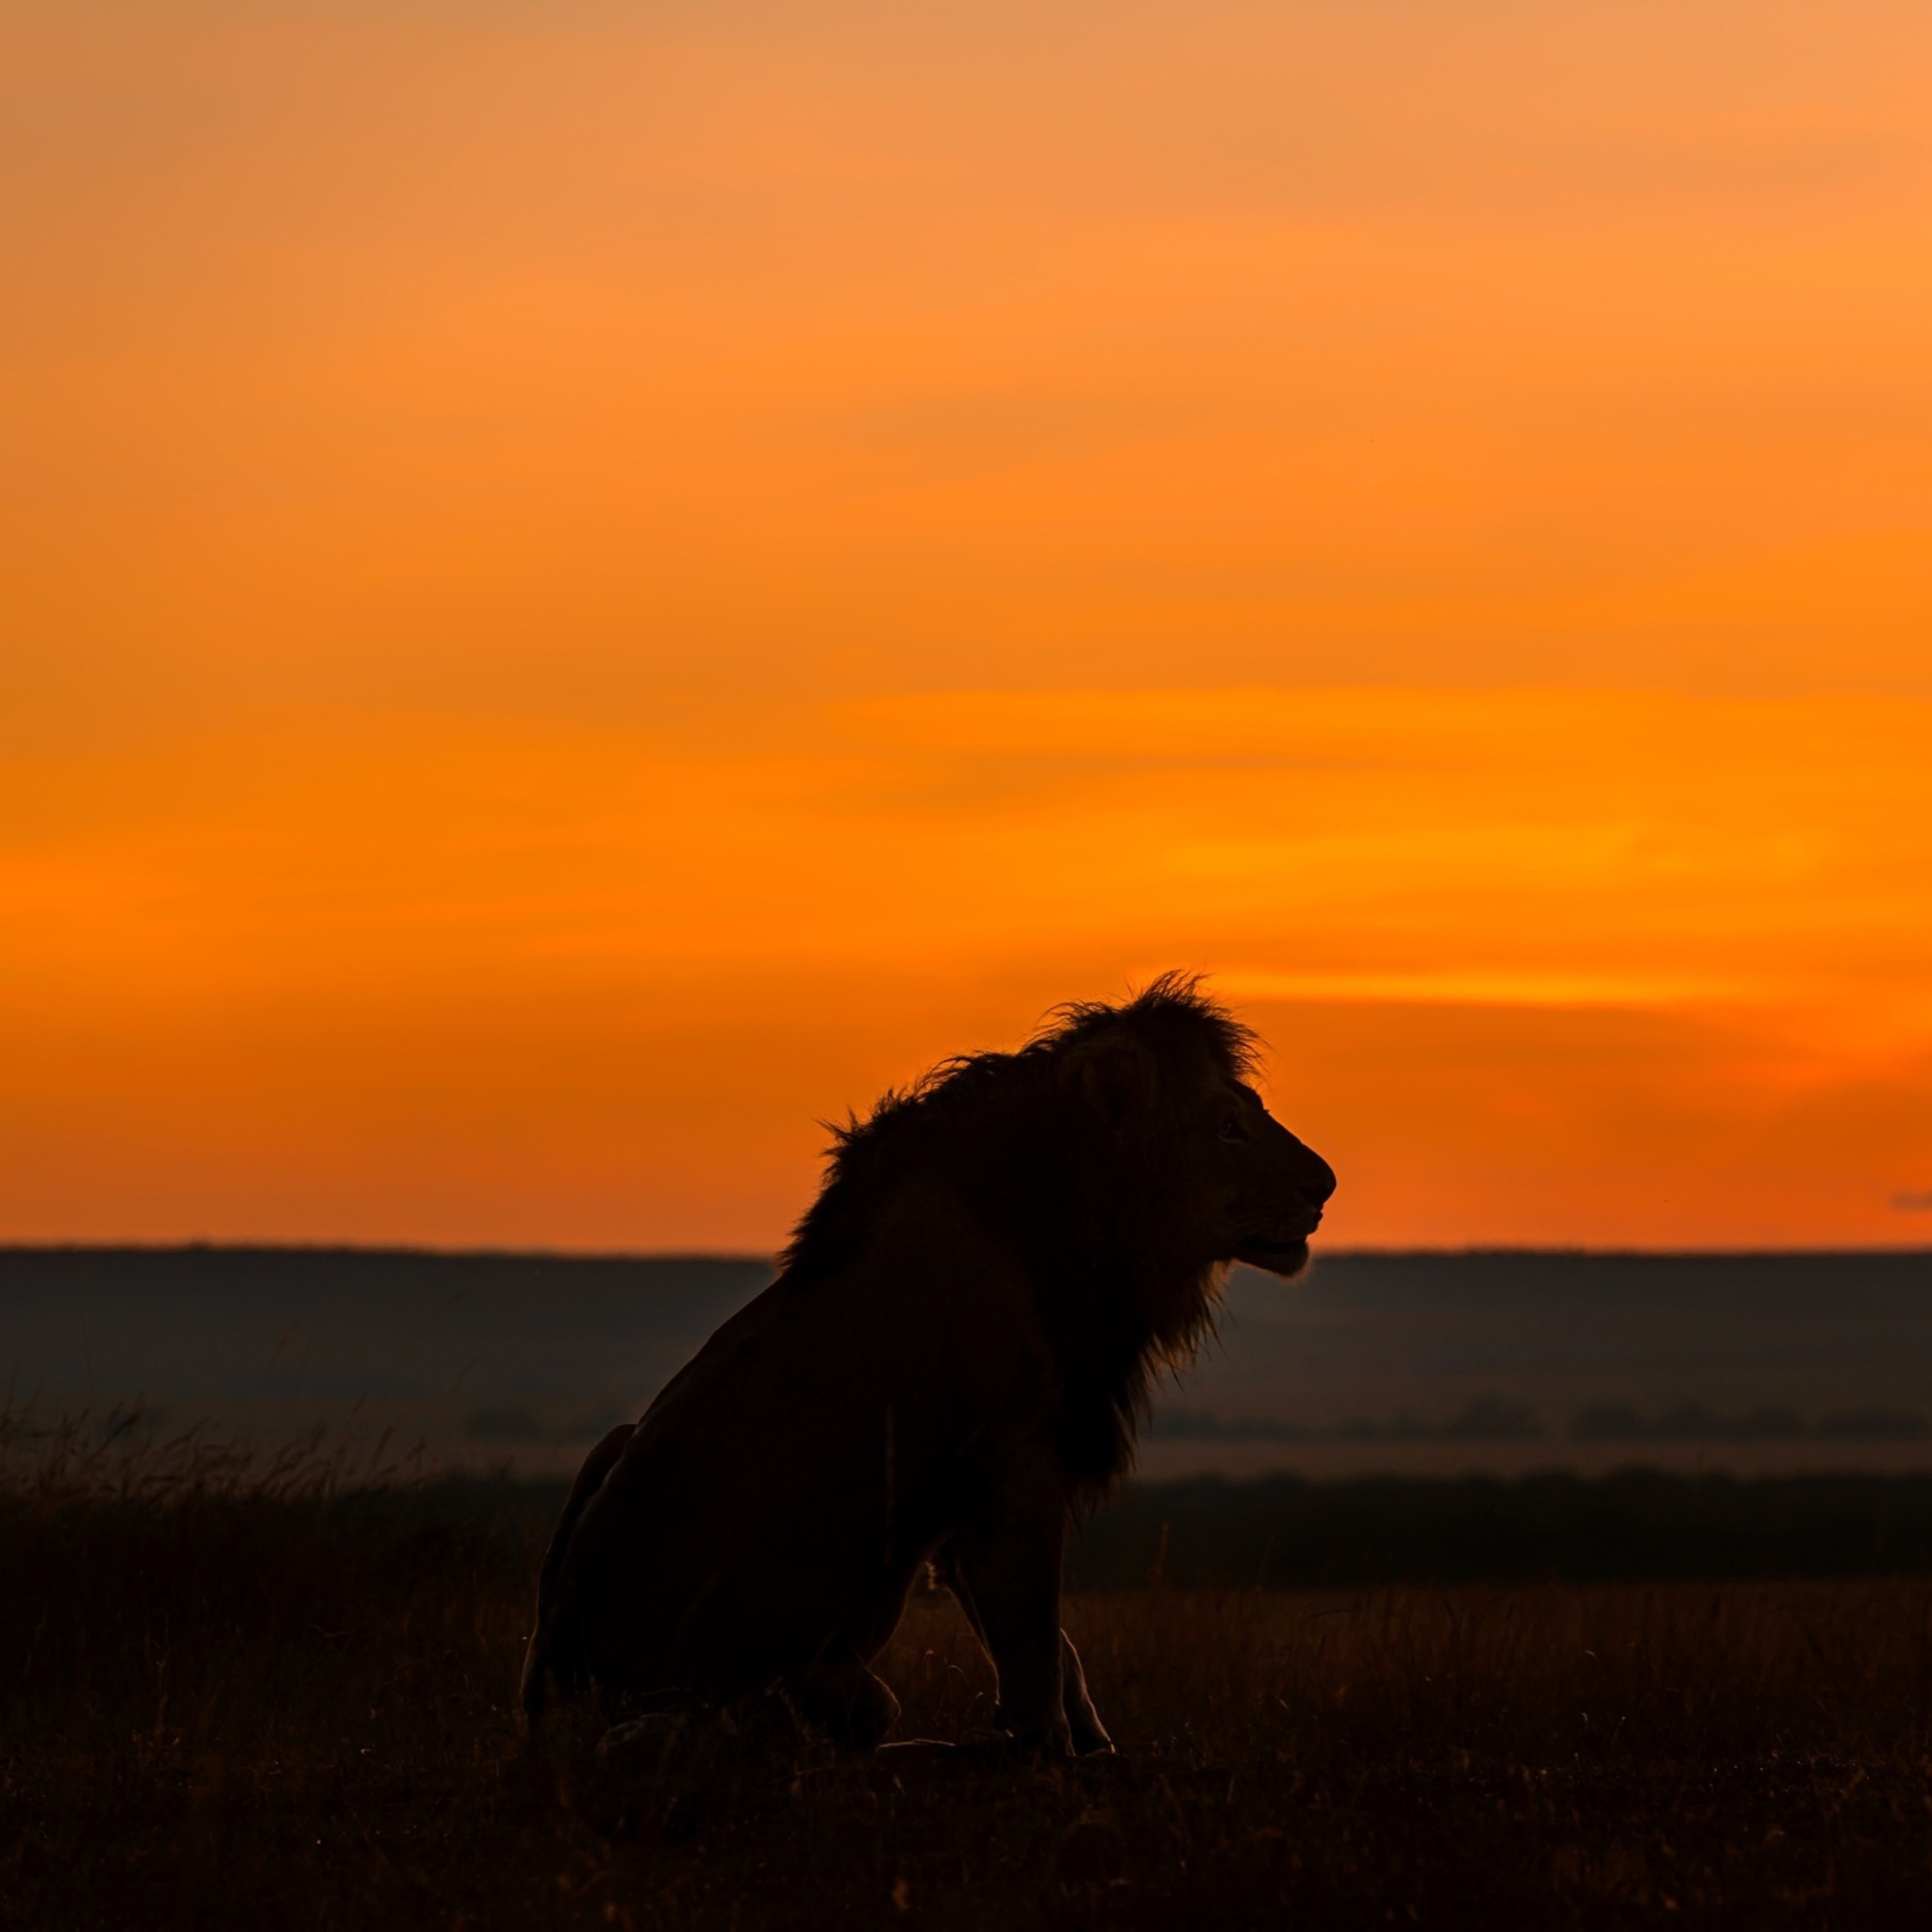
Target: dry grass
[(239, 1696)]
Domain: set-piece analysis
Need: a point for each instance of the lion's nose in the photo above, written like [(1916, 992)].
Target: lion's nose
[(1319, 1182)]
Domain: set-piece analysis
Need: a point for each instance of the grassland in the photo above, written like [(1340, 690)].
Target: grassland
[(232, 1696)]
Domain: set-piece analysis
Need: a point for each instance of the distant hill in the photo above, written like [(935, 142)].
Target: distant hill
[(257, 1323), (1514, 1344), (1417, 1361)]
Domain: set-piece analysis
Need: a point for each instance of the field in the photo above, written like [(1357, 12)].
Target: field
[(245, 1696)]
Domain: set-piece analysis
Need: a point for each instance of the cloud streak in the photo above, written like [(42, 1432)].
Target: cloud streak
[(1484, 989)]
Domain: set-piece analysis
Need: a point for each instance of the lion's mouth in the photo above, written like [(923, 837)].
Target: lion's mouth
[(1280, 1250)]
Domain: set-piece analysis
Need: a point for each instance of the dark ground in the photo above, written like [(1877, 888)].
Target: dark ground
[(1636, 1524), (239, 1699)]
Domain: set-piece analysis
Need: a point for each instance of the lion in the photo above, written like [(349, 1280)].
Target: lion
[(948, 1370)]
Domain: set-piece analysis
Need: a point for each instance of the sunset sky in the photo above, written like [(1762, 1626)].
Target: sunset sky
[(584, 586)]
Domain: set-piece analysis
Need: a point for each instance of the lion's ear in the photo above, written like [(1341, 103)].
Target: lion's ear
[(1118, 1077)]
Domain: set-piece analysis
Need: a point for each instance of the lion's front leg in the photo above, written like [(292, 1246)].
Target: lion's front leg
[(1022, 1639), (1086, 1732), (1004, 1568), (1089, 1734)]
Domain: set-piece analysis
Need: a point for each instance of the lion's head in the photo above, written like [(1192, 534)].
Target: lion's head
[(1168, 1076)]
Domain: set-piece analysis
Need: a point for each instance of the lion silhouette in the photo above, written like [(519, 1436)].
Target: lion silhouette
[(948, 1369)]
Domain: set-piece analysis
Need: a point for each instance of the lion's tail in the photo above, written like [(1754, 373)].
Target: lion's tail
[(545, 1659)]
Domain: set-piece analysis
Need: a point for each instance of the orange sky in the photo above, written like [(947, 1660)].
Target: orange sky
[(584, 587)]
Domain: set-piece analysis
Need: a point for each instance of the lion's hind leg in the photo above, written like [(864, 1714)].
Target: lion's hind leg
[(849, 1702), (541, 1659), (678, 1761)]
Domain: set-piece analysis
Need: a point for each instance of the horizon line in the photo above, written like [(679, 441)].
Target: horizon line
[(198, 1244)]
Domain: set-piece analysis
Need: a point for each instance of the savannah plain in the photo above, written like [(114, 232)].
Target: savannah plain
[(252, 1693)]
